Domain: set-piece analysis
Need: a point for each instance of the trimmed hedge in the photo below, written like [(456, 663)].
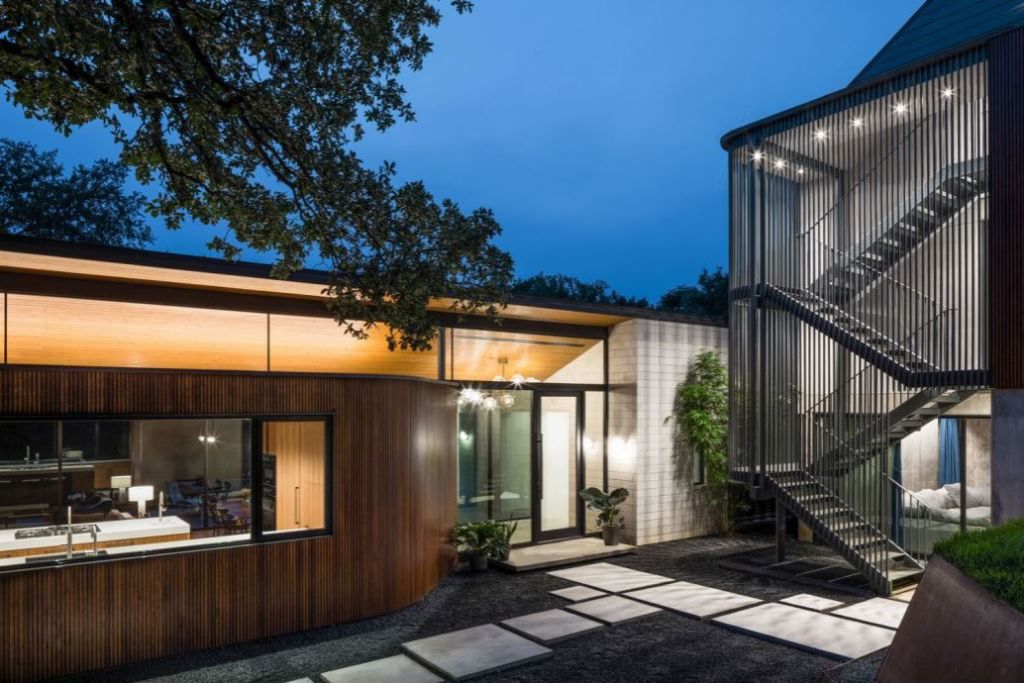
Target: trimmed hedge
[(993, 557)]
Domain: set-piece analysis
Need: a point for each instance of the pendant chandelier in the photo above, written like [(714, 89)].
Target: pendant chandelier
[(490, 400)]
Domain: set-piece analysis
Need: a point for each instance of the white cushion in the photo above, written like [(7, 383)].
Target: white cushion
[(977, 496), (979, 516), (937, 499)]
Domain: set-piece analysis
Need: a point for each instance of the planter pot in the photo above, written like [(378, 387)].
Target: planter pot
[(478, 562), (954, 631), (610, 534)]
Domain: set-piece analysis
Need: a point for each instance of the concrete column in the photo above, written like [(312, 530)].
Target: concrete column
[(1007, 454)]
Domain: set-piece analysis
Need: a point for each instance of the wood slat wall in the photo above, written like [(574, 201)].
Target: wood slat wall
[(393, 505), (1006, 197)]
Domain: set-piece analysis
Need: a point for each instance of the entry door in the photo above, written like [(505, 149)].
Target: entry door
[(558, 465)]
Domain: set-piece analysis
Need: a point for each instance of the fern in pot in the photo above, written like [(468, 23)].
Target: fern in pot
[(480, 542), (609, 518)]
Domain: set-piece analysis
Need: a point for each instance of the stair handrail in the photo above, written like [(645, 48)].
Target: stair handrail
[(906, 494)]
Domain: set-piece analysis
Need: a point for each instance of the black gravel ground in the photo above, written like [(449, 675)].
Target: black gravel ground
[(664, 647)]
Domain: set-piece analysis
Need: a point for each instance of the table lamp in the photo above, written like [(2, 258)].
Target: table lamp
[(141, 495), (121, 482)]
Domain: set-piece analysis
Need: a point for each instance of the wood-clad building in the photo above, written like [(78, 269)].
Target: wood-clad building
[(235, 466)]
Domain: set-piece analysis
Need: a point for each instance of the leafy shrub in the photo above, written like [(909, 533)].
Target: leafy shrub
[(993, 557), (606, 504), (488, 537)]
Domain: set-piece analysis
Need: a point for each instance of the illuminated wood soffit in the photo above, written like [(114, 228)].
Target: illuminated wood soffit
[(63, 266)]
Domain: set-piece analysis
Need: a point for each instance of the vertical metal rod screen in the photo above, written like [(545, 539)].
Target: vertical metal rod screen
[(858, 234)]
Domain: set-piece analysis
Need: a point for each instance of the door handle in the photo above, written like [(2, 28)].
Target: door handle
[(297, 491), (540, 467)]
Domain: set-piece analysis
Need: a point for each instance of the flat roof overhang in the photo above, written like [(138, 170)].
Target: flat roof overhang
[(856, 93), (50, 258)]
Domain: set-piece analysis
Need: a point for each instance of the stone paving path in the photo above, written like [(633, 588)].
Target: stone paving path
[(806, 621)]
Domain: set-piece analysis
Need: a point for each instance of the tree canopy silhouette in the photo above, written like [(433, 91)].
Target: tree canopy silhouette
[(245, 114)]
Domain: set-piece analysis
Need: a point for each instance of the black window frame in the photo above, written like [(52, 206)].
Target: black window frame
[(255, 537)]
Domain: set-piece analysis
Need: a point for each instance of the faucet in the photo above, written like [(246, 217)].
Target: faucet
[(71, 542)]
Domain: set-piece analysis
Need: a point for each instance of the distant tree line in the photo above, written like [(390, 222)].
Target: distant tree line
[(709, 296), (90, 204)]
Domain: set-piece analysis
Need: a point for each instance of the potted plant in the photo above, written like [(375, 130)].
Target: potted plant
[(478, 542), (607, 506)]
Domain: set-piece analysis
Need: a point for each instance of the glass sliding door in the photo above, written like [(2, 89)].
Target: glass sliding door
[(558, 464)]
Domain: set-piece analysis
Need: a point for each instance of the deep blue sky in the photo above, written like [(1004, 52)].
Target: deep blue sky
[(591, 127)]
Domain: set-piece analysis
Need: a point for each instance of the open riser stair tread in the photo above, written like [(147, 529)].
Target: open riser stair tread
[(864, 546)]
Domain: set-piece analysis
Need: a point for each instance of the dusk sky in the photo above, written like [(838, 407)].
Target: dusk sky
[(591, 127)]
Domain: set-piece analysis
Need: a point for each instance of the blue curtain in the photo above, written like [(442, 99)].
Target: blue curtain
[(896, 496), (949, 451)]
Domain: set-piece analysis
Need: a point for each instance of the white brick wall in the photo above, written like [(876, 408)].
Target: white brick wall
[(647, 361)]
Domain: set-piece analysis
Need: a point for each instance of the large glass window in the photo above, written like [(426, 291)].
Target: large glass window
[(140, 485)]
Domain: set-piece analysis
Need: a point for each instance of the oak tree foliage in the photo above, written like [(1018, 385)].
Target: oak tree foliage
[(245, 114)]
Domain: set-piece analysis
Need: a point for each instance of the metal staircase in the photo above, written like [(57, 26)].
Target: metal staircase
[(938, 201), (841, 489), (889, 355), (875, 439), (867, 548)]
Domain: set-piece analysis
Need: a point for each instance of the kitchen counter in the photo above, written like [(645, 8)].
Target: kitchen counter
[(197, 543), (43, 468), (118, 532)]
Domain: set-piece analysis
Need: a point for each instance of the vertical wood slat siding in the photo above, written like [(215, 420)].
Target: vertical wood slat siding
[(1006, 228), (393, 501)]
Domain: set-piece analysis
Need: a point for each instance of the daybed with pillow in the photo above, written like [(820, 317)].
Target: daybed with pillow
[(943, 511)]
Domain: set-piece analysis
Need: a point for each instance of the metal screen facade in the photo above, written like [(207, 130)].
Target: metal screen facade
[(859, 294)]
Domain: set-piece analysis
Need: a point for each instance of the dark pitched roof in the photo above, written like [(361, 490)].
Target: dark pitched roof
[(940, 26)]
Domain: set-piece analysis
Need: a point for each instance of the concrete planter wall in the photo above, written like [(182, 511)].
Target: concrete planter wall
[(955, 631)]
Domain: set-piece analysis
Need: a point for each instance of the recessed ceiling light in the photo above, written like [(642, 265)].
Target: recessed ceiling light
[(758, 155), (779, 163), (900, 108), (800, 171), (857, 122), (947, 93), (820, 134)]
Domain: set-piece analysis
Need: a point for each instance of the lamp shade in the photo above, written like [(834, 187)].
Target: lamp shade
[(140, 494), (120, 481)]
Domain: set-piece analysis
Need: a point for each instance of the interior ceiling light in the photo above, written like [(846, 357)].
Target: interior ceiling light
[(820, 134), (947, 93), (779, 163), (758, 155), (471, 396), (517, 380), (857, 122), (900, 108), (800, 171)]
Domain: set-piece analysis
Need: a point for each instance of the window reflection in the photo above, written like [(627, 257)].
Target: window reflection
[(111, 479)]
